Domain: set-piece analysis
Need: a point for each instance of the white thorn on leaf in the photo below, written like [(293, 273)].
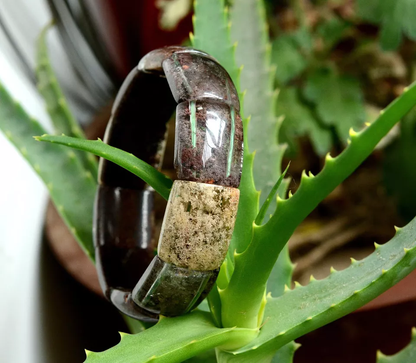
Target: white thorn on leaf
[(352, 132)]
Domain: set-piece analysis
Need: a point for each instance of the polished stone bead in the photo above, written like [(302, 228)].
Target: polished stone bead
[(193, 76), (125, 243), (129, 129), (208, 143), (198, 225), (170, 290), (152, 61)]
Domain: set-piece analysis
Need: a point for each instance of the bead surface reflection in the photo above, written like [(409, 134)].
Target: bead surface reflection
[(208, 143)]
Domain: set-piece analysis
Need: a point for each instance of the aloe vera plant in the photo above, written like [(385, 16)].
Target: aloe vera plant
[(253, 315)]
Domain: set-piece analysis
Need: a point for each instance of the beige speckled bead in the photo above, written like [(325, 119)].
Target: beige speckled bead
[(198, 225)]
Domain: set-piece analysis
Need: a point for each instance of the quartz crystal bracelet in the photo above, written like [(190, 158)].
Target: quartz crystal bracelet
[(200, 214)]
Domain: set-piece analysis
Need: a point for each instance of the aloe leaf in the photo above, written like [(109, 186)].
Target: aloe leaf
[(249, 29), (70, 186), (206, 357), (307, 308), (260, 216), (247, 206), (62, 119), (399, 167), (281, 275), (245, 291), (260, 355), (212, 34), (157, 180), (406, 355), (286, 353), (173, 340)]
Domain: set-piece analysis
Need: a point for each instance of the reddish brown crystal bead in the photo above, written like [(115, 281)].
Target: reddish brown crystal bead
[(193, 76), (199, 220), (208, 143)]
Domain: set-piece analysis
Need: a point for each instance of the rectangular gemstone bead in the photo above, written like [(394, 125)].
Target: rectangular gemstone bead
[(193, 76), (198, 225), (171, 290), (208, 143)]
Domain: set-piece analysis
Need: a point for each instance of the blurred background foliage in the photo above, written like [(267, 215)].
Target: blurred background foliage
[(339, 63)]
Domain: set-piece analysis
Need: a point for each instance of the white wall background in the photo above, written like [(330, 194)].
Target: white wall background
[(22, 205)]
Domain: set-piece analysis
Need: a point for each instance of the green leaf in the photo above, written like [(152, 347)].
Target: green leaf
[(157, 180), (299, 121), (243, 297), (307, 308), (62, 119), (212, 34), (70, 186), (395, 18), (206, 357), (263, 354), (338, 99), (399, 167), (289, 60), (285, 354), (407, 355), (331, 31), (260, 216), (249, 29), (281, 274), (259, 356), (173, 340)]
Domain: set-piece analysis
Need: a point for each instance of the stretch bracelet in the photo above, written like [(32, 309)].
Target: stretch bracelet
[(201, 210)]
